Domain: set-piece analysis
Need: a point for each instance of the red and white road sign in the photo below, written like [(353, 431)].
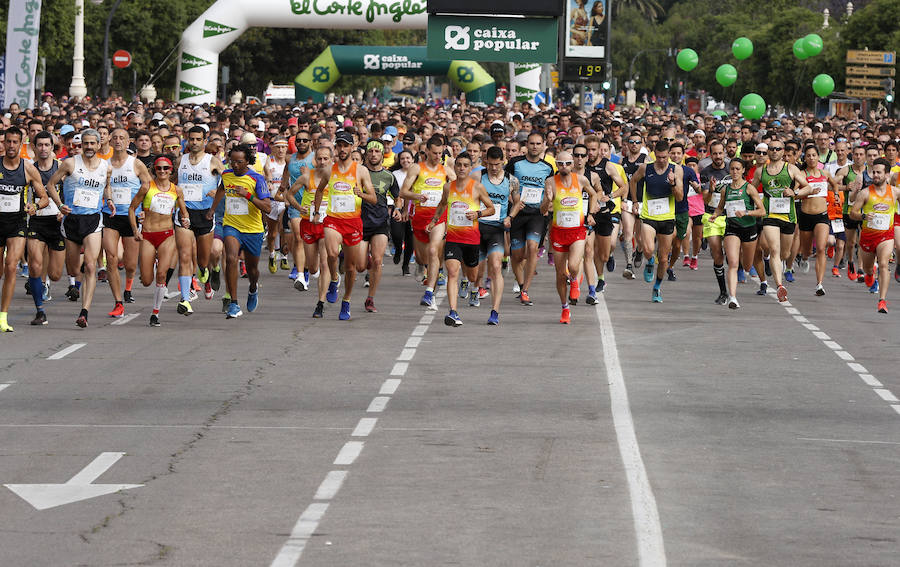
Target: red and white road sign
[(121, 59)]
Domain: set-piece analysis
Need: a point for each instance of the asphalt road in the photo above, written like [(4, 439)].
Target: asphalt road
[(679, 433)]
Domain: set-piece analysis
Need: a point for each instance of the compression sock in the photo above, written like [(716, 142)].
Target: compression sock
[(129, 284), (37, 291), (185, 283), (169, 273), (158, 296), (720, 277), (658, 283)]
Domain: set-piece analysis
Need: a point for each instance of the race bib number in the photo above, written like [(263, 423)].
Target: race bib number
[(820, 189), (780, 205), (568, 219), (691, 192), (192, 192), (837, 225), (714, 200), (10, 203), (494, 217), (236, 205), (162, 204), (457, 216), (880, 221), (532, 195), (51, 210), (584, 206), (656, 207), (432, 197), (732, 208), (86, 198), (121, 195), (343, 203)]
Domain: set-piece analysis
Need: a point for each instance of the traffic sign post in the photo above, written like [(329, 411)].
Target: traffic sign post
[(876, 72), (871, 57), (121, 59)]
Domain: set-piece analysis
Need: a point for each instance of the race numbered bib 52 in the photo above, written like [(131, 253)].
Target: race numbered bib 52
[(432, 197), (568, 219)]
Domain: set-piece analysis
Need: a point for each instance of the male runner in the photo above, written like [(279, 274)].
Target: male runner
[(608, 174), (296, 166), (632, 158), (714, 178), (852, 177), (375, 217)]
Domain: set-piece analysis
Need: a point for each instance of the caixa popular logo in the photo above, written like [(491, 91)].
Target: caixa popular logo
[(462, 38), (569, 201)]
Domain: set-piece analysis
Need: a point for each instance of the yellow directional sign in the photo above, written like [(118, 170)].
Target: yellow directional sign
[(872, 57), (864, 93), (871, 71), (865, 82)]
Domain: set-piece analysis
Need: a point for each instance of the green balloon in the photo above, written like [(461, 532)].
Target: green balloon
[(726, 75), (823, 85), (800, 49), (812, 44), (753, 106), (742, 48), (687, 59)]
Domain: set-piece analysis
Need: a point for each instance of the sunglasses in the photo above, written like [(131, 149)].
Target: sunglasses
[(302, 140), (634, 141), (701, 150), (760, 153), (580, 155), (172, 147), (669, 139), (774, 149), (565, 162), (162, 168)]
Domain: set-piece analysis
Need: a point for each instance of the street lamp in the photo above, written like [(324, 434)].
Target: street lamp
[(78, 88), (104, 86)]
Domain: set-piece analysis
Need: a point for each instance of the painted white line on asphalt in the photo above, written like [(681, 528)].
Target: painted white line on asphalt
[(330, 486), (4, 386), (348, 453), (810, 327), (413, 342), (852, 440), (856, 367), (390, 386), (886, 395), (821, 336), (364, 427), (125, 319), (801, 319), (407, 354), (792, 310), (304, 528), (844, 354), (871, 380), (419, 330), (896, 409), (378, 404), (66, 351), (648, 530), (832, 345), (399, 368), (426, 319)]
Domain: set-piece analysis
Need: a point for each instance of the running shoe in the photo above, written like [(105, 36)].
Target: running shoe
[(319, 311), (300, 283), (195, 284), (656, 295), (574, 291), (344, 315), (637, 258), (524, 299), (835, 271), (370, 305), (192, 296), (753, 273), (628, 273), (869, 280), (81, 321), (820, 290), (285, 265), (741, 275), (541, 252), (332, 294), (768, 267), (252, 300), (695, 264), (452, 319), (234, 310), (73, 294), (366, 283), (127, 296), (27, 288), (273, 265), (184, 308), (463, 288), (874, 287), (428, 300), (566, 316), (648, 271), (611, 264), (763, 289), (5, 327), (404, 270), (591, 298), (102, 277), (474, 300), (40, 318), (852, 275), (516, 289), (208, 291), (781, 293), (118, 311), (882, 307), (48, 297), (670, 275), (601, 286), (803, 264), (789, 276), (843, 264), (483, 292), (722, 299), (897, 273), (154, 320), (550, 260), (830, 251), (215, 280), (226, 301), (442, 279), (294, 273), (494, 318), (733, 303), (203, 275), (686, 262)]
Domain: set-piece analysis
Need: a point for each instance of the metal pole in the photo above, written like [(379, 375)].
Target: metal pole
[(104, 88), (133, 82), (608, 53), (78, 89)]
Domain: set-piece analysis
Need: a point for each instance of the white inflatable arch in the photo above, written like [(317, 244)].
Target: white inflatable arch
[(225, 21)]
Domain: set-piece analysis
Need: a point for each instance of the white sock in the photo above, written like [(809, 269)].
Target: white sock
[(158, 295)]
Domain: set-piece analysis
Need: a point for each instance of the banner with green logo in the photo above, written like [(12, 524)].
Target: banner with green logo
[(520, 40)]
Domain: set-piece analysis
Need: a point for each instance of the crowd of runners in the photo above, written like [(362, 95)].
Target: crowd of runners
[(476, 195)]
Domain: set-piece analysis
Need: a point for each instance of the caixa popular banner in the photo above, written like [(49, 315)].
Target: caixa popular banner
[(516, 40)]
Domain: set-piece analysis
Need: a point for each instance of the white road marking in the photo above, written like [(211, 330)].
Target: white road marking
[(784, 303), (856, 367), (378, 404), (419, 330), (648, 530), (426, 319), (851, 440), (886, 395), (348, 453), (304, 528), (871, 380), (125, 319), (407, 354), (390, 386), (413, 342), (399, 369), (896, 409), (821, 336), (844, 354), (364, 427), (66, 351), (832, 345), (4, 386), (810, 327), (331, 485), (801, 319), (792, 310)]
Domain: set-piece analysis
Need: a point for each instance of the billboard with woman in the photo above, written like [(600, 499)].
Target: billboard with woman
[(586, 22)]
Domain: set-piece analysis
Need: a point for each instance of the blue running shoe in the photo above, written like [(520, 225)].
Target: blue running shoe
[(494, 319), (442, 279), (428, 299), (253, 301), (452, 319), (656, 296), (742, 277), (753, 273), (344, 315), (295, 273), (874, 288), (331, 296), (789, 276), (611, 264), (233, 311), (648, 272)]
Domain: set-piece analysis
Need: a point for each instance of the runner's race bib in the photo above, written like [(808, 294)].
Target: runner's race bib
[(656, 207), (732, 208), (780, 205), (162, 204), (10, 203), (432, 198), (343, 203), (880, 221), (86, 198), (837, 225), (192, 192), (236, 205)]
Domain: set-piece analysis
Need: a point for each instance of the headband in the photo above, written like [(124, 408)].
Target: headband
[(165, 159), (375, 144)]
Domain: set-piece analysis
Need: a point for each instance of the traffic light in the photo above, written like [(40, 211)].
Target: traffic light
[(889, 90), (606, 85)]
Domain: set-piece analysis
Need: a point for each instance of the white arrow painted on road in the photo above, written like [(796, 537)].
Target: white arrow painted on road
[(79, 487)]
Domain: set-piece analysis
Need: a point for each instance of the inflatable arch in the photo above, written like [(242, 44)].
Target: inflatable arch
[(337, 60)]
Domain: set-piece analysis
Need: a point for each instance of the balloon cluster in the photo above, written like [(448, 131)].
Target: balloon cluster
[(810, 46)]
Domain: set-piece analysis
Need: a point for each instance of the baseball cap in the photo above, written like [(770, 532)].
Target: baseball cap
[(248, 138), (343, 136), (699, 133), (387, 137), (292, 121), (261, 127), (762, 147), (720, 128), (390, 131), (409, 138), (157, 116), (495, 127), (66, 128), (76, 139)]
